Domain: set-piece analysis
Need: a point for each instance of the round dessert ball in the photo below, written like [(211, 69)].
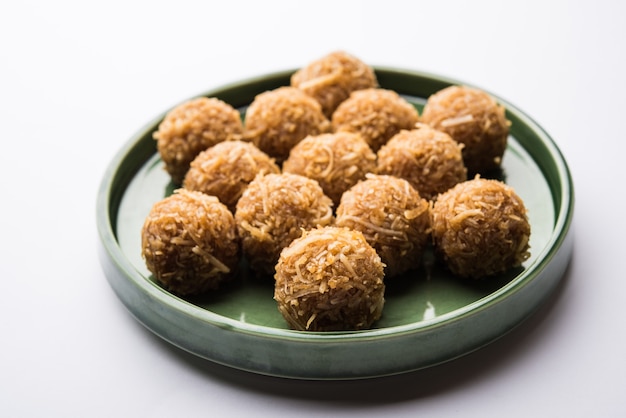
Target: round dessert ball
[(428, 159), (474, 119), (336, 160), (225, 170), (278, 119), (392, 216), (330, 279), (273, 211), (189, 243), (377, 114), (192, 127), (480, 228), (331, 78)]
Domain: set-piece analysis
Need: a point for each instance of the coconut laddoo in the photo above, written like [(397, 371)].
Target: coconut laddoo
[(189, 243), (336, 160), (474, 119), (330, 279), (331, 78), (273, 211), (276, 120), (225, 170), (392, 216), (428, 159), (192, 127), (375, 113), (480, 228)]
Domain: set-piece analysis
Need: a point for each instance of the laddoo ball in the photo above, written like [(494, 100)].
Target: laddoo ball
[(225, 170), (278, 119), (377, 114), (330, 279), (189, 243), (480, 228), (392, 216), (474, 119), (331, 78), (273, 211), (427, 158), (336, 160), (192, 127)]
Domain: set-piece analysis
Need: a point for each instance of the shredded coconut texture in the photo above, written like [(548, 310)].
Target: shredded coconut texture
[(392, 216), (332, 78), (473, 118), (278, 119), (377, 114), (336, 160), (189, 242), (225, 170), (330, 279), (273, 211), (480, 228), (192, 127), (427, 158)]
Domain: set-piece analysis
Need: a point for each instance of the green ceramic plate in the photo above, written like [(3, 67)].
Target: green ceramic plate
[(429, 317)]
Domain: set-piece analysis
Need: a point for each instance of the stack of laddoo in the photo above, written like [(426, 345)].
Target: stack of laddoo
[(334, 186)]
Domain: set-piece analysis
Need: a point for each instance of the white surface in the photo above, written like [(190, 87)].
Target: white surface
[(77, 79)]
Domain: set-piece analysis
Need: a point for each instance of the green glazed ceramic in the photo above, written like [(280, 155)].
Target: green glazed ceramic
[(429, 316)]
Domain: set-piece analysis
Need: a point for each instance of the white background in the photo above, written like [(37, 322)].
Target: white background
[(77, 79)]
